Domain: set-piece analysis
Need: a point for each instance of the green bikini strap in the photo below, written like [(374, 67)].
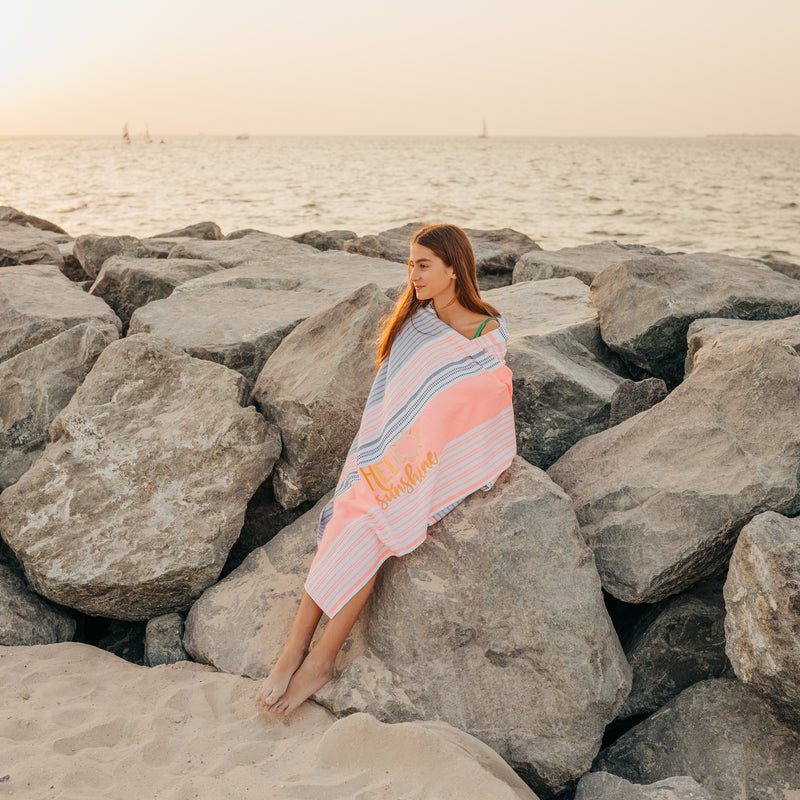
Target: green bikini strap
[(482, 325)]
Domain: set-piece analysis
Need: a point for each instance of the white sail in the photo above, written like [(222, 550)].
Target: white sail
[(126, 137)]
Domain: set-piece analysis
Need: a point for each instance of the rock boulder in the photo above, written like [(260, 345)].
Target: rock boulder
[(131, 510), (675, 644), (36, 384), (583, 262), (605, 786), (21, 245), (92, 251), (38, 302), (333, 273), (25, 617), (71, 267), (9, 214), (237, 327), (762, 600), (314, 388), (718, 732), (706, 334), (633, 397), (200, 230), (562, 388), (163, 640), (662, 496), (325, 240), (251, 248), (647, 304), (127, 283)]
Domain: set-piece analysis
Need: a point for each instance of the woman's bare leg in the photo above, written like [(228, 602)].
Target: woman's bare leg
[(317, 667), (294, 651)]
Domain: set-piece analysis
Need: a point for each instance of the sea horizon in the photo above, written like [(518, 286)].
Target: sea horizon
[(731, 193)]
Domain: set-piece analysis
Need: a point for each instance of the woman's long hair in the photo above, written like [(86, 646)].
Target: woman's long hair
[(450, 244)]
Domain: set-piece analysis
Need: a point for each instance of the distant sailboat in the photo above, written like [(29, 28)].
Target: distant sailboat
[(147, 134), (242, 136), (126, 137), (483, 134)]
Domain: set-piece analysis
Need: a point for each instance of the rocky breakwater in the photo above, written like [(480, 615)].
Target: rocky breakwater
[(496, 251), (624, 624)]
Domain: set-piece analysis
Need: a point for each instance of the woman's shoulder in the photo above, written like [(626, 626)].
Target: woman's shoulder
[(484, 324)]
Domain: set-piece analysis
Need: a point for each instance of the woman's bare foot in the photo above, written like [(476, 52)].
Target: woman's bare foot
[(312, 675), (275, 684)]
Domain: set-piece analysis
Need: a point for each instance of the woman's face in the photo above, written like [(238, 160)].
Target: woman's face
[(430, 275)]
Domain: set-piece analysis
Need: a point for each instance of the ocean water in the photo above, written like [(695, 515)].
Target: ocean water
[(735, 195)]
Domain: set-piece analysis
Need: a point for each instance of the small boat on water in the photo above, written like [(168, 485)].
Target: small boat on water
[(243, 136), (126, 137), (147, 134), (483, 134)]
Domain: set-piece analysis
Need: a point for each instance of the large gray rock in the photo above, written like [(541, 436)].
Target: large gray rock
[(718, 732), (633, 397), (264, 518), (496, 625), (252, 248), (25, 617), (126, 283), (605, 786), (562, 388), (22, 245), (333, 273), (241, 623), (253, 276), (393, 244), (647, 304), (762, 599), (36, 384), (9, 214), (788, 268), (92, 251), (706, 334), (131, 510), (662, 496), (163, 640), (674, 645), (325, 240), (496, 251), (583, 262), (200, 230), (38, 302), (314, 388), (71, 267), (237, 327)]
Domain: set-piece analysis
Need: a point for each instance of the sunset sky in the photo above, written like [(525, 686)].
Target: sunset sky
[(319, 67)]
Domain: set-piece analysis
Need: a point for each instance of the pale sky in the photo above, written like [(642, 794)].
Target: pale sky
[(416, 67)]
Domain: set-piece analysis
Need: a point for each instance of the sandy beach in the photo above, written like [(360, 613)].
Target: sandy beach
[(79, 722)]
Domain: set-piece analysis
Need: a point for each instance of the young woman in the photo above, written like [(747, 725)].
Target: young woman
[(438, 425)]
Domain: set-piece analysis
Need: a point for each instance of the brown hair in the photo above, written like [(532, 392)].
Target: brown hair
[(451, 244)]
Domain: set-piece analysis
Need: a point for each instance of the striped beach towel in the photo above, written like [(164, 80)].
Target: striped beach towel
[(438, 425)]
